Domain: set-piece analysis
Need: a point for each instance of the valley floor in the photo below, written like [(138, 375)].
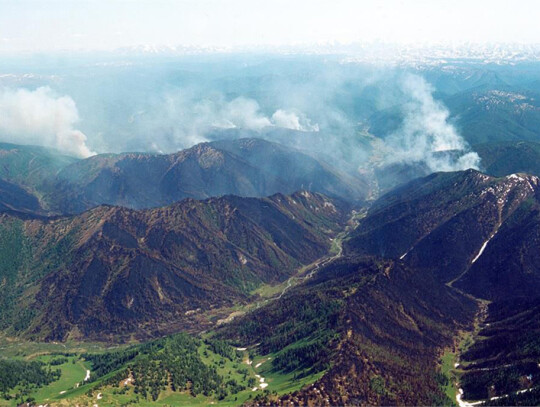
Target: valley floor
[(267, 293)]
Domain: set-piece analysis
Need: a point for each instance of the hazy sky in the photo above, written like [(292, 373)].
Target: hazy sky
[(108, 24)]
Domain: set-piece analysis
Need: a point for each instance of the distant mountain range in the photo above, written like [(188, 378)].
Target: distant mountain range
[(365, 52), (496, 113)]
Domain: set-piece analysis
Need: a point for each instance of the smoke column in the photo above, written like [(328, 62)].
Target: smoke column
[(426, 133), (43, 118)]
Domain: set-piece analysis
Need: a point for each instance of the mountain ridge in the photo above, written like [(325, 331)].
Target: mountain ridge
[(116, 271), (449, 223), (245, 167)]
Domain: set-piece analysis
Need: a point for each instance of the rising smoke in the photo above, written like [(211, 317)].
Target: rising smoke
[(179, 119), (324, 111), (41, 117), (294, 121), (426, 134)]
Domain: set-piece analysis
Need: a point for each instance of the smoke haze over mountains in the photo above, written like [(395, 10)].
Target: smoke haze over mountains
[(314, 103), (179, 120)]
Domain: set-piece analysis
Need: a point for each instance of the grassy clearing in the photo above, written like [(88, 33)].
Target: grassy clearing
[(237, 369), (281, 382), (73, 372), (448, 361), (268, 291), (286, 383), (450, 358)]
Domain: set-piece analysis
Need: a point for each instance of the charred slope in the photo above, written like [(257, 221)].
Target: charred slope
[(377, 326), (296, 169), (504, 358), (14, 198), (479, 231), (113, 270), (149, 180), (247, 167)]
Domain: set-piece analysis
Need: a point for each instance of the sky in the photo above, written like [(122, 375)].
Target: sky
[(43, 25)]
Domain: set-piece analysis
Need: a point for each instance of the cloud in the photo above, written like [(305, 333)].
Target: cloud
[(41, 117), (426, 134)]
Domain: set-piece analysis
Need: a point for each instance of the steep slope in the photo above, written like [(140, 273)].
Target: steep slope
[(244, 167), (505, 158), (118, 271), (480, 232), (374, 327), (492, 114), (30, 166), (23, 172), (504, 358), (14, 198), (296, 169)]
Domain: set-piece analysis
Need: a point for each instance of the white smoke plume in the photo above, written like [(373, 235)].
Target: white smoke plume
[(426, 133), (41, 117), (293, 121), (246, 114), (238, 113), (179, 119)]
